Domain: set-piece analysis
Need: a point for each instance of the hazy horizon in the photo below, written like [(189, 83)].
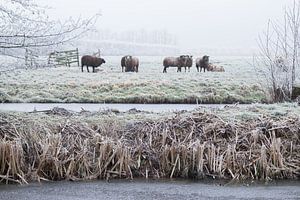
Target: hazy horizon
[(198, 24)]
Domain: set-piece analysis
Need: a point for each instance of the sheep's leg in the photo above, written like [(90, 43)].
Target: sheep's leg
[(87, 67), (81, 68), (165, 70), (93, 69)]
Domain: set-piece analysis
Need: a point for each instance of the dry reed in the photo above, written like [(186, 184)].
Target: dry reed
[(194, 145)]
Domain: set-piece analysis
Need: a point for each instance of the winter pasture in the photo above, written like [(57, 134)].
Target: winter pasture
[(239, 83)]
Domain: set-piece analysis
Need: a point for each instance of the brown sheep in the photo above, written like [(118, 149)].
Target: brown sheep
[(174, 62), (202, 63), (189, 62), (91, 61), (123, 63), (130, 63)]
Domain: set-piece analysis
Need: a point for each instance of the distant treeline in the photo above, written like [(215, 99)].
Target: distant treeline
[(161, 37), (124, 48)]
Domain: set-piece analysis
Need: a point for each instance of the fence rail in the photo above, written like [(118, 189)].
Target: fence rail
[(64, 57), (30, 58)]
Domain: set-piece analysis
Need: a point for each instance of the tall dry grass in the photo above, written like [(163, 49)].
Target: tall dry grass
[(194, 145)]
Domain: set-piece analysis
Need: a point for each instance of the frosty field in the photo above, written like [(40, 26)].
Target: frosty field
[(239, 83)]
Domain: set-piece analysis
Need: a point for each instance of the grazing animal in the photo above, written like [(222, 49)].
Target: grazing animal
[(174, 62), (210, 67), (130, 63), (189, 62), (215, 68), (123, 62), (220, 69), (202, 63), (91, 61)]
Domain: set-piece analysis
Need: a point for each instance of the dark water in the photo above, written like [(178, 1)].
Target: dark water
[(28, 107), (145, 190)]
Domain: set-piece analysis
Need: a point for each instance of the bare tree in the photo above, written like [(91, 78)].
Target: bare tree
[(278, 61), (25, 24)]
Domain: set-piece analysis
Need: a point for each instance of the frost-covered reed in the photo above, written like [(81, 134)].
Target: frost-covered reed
[(64, 146)]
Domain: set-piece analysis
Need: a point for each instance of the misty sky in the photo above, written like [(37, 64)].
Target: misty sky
[(196, 23)]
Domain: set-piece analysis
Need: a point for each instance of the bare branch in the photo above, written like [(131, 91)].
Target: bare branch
[(24, 24)]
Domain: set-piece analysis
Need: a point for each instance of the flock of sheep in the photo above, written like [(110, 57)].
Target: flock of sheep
[(131, 64)]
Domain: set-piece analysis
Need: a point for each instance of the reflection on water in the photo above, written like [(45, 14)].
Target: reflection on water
[(29, 107)]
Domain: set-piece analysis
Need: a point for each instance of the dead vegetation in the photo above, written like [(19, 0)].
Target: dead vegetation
[(196, 145)]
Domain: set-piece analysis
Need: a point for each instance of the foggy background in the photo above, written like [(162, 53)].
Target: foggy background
[(220, 26)]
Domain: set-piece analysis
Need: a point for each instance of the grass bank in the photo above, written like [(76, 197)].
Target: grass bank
[(256, 142)]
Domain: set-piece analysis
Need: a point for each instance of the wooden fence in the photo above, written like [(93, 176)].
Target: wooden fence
[(64, 57), (30, 58)]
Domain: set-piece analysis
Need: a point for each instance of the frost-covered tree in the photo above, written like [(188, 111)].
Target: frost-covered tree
[(25, 24), (279, 57)]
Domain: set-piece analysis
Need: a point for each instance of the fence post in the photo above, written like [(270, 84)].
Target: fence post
[(26, 57), (66, 60), (77, 52)]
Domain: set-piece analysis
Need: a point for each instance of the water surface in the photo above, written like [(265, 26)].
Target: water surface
[(77, 107), (119, 189)]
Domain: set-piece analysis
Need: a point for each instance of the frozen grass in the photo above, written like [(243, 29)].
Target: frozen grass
[(255, 142), (238, 84)]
